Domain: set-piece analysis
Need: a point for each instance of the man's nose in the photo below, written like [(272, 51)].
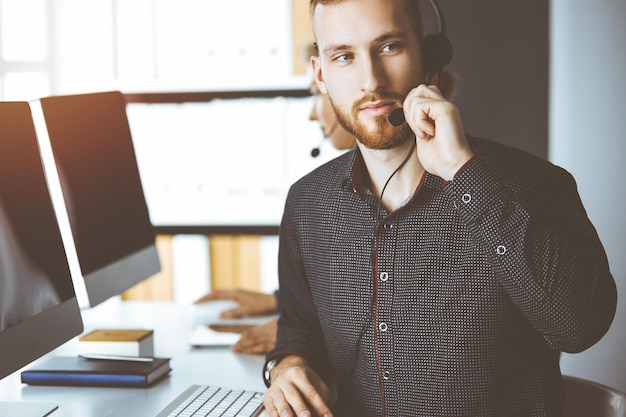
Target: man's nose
[(373, 77)]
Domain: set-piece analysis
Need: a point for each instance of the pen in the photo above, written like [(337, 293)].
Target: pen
[(100, 357)]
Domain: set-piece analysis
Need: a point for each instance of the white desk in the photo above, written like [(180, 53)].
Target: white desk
[(172, 326)]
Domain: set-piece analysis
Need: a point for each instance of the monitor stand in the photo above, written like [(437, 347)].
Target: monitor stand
[(26, 408)]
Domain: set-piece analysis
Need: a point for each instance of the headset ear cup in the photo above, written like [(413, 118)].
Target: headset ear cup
[(437, 51)]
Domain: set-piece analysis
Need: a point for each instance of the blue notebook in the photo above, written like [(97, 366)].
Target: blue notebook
[(77, 371)]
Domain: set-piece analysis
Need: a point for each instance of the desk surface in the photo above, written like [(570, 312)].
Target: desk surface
[(172, 324)]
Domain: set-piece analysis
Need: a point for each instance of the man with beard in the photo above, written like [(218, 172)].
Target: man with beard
[(426, 272)]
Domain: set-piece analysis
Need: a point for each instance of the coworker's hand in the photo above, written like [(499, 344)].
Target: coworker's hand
[(250, 303), (258, 339), (295, 389), (254, 339), (230, 328), (441, 143)]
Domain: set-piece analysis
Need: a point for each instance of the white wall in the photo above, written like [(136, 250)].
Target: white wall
[(588, 138)]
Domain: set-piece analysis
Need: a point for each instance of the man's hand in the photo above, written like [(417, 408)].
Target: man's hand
[(250, 303), (441, 143), (296, 390)]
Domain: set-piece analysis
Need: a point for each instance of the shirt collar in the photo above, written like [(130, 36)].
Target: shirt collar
[(357, 179)]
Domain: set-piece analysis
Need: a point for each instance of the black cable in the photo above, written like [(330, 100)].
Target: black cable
[(370, 316)]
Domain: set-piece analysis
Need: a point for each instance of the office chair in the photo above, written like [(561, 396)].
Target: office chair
[(585, 398)]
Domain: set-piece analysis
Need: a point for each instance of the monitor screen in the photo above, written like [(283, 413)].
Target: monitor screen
[(95, 159), (38, 306)]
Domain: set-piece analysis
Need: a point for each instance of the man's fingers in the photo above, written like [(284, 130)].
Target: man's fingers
[(270, 406), (428, 91), (296, 401), (422, 108), (306, 396), (280, 404), (425, 128), (315, 401)]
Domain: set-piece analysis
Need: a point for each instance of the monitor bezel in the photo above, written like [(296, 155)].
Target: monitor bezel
[(35, 336), (96, 285)]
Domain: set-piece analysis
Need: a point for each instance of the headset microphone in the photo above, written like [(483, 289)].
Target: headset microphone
[(396, 117), (315, 152)]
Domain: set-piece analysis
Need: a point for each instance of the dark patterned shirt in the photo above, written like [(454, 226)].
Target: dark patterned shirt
[(456, 304)]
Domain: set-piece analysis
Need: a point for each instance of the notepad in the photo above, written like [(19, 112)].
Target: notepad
[(76, 371)]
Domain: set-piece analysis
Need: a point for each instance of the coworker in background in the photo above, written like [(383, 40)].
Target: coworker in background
[(323, 113), (426, 272)]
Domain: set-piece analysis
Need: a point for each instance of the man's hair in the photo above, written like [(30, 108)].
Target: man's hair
[(412, 10)]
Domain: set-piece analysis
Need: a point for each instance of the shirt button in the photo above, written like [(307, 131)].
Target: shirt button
[(383, 327), (501, 250), (384, 276), (466, 198), (388, 226), (386, 375)]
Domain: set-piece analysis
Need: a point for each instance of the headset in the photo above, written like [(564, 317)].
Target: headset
[(436, 52), (436, 48)]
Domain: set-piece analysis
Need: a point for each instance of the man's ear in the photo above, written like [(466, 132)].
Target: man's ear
[(318, 75)]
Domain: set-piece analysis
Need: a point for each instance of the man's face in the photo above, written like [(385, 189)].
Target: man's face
[(370, 58)]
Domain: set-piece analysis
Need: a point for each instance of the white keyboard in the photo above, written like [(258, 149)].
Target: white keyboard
[(209, 401)]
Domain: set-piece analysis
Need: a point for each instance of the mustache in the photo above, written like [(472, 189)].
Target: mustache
[(372, 97)]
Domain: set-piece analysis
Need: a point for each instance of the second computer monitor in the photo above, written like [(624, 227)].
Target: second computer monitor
[(97, 167)]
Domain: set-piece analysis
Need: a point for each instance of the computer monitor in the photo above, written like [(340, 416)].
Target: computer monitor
[(95, 159), (38, 307)]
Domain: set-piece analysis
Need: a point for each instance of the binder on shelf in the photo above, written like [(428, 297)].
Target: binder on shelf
[(78, 371)]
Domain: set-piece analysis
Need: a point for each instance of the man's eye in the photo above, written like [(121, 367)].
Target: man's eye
[(391, 47), (343, 57)]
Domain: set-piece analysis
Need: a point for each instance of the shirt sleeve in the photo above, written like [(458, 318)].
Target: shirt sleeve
[(544, 249), (299, 331)]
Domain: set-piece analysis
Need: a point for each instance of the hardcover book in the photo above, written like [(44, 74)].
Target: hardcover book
[(77, 371), (131, 342)]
